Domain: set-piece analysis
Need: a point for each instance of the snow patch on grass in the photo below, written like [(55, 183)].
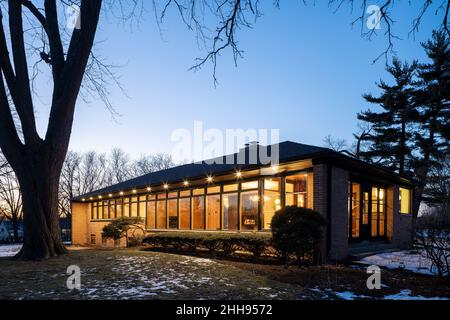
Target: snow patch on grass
[(406, 295), (414, 261), (9, 250), (348, 295)]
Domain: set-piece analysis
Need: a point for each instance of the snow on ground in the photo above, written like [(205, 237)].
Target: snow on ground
[(9, 250), (411, 260), (406, 295)]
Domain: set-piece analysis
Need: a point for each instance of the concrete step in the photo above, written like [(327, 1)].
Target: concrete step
[(360, 251)]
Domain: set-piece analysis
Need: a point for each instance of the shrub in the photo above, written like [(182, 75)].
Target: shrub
[(296, 232), (215, 242), (433, 236), (128, 227)]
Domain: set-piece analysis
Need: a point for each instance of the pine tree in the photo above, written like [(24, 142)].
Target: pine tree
[(432, 99), (390, 138)]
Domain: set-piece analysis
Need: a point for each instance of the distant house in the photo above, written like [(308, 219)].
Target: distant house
[(4, 233), (7, 231)]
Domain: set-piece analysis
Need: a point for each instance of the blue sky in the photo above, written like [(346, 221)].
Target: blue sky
[(304, 71)]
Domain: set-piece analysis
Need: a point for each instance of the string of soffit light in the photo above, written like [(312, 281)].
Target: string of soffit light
[(209, 179)]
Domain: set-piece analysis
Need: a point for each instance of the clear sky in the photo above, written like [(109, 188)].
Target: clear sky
[(304, 71)]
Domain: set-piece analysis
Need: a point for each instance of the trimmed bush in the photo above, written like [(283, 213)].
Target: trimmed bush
[(296, 233), (215, 242), (125, 227)]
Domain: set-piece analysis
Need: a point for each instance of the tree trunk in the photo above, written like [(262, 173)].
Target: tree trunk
[(39, 185)]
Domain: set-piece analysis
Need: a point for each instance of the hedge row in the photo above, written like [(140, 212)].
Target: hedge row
[(220, 243)]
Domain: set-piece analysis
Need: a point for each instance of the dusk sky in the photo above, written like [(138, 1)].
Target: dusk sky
[(304, 71)]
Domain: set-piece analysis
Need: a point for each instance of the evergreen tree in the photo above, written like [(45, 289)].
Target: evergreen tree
[(432, 99), (390, 138)]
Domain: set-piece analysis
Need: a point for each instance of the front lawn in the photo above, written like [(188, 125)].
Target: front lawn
[(135, 274)]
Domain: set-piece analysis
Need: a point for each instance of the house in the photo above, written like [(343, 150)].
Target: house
[(363, 203), (7, 231), (4, 232)]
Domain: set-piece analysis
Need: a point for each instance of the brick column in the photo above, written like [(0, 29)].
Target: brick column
[(320, 203), (339, 215)]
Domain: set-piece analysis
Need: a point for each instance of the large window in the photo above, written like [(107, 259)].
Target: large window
[(134, 207), (172, 213), (249, 210), (213, 212), (296, 190), (126, 207), (142, 208), (151, 208), (185, 213), (405, 201), (378, 212), (161, 217), (272, 200), (354, 208), (230, 211), (198, 212), (119, 205)]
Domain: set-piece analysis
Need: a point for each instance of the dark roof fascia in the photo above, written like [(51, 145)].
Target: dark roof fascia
[(355, 165)]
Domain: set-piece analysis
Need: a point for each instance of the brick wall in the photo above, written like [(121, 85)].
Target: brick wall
[(320, 203), (339, 215)]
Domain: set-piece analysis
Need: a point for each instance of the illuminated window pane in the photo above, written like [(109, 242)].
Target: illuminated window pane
[(100, 212), (118, 208), (213, 190), (161, 217), (355, 209), (230, 211), (185, 213), (172, 195), (172, 213), (134, 209), (142, 209), (213, 212), (250, 185), (249, 210), (151, 215), (405, 201), (230, 187), (198, 192), (185, 193), (272, 200), (198, 211), (296, 190), (112, 209)]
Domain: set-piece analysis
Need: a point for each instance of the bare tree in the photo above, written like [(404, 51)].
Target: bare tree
[(336, 144), (151, 163)]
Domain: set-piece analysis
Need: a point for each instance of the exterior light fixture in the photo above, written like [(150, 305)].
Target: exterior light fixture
[(91, 198), (166, 186), (209, 179), (149, 189), (110, 195), (121, 193), (83, 199), (100, 197), (134, 190), (238, 174)]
